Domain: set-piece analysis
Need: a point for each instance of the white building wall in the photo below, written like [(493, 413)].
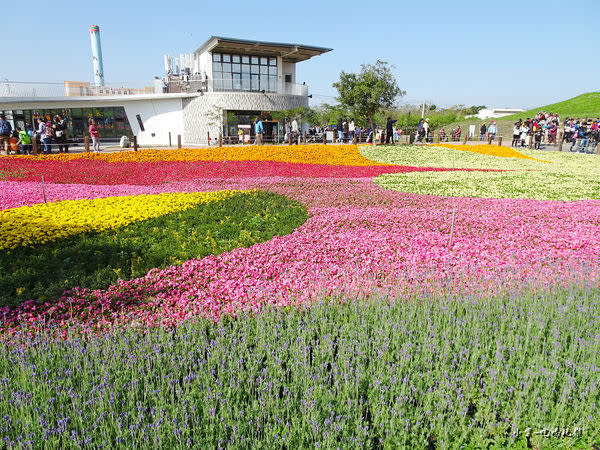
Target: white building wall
[(206, 64), (289, 68), (159, 117)]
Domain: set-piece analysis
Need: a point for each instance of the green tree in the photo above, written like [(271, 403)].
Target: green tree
[(369, 91), (326, 114)]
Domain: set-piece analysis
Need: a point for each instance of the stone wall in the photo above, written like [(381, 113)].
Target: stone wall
[(196, 110)]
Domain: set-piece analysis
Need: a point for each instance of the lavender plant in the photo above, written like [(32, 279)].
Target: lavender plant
[(516, 371)]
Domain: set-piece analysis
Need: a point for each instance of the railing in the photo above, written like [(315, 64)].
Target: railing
[(31, 89), (40, 89), (190, 85), (262, 84)]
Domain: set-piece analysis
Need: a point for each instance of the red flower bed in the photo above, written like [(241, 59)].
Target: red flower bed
[(85, 171)]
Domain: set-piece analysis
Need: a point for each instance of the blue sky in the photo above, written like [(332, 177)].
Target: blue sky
[(500, 54)]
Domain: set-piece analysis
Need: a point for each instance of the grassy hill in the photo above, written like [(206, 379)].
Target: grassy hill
[(585, 105)]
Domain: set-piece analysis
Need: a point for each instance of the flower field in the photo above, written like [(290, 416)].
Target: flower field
[(244, 273), (511, 174)]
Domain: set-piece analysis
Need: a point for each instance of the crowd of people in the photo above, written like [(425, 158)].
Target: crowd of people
[(545, 128), (48, 132)]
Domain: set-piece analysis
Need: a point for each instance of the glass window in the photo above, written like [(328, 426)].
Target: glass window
[(255, 60), (235, 59), (218, 67), (246, 59), (120, 112), (272, 61), (264, 61), (246, 81), (254, 83), (254, 69), (236, 68), (227, 83), (264, 82), (264, 70), (272, 70), (226, 67), (245, 68), (237, 81), (226, 58), (216, 57), (273, 83), (218, 84)]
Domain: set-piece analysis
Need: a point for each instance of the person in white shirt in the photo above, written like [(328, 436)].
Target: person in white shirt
[(295, 130), (516, 134), (492, 130), (426, 128)]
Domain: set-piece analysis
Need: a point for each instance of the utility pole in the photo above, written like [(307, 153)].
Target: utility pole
[(423, 110)]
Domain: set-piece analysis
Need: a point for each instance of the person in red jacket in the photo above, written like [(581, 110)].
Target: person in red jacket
[(95, 136)]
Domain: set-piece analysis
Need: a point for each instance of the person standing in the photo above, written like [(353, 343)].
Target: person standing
[(595, 137), (584, 133), (346, 130), (492, 130), (538, 134), (389, 130), (351, 130), (42, 133), (24, 142), (258, 130), (61, 133), (420, 130), (552, 131), (575, 127), (524, 131), (95, 135), (5, 132), (340, 130), (482, 132), (426, 129), (516, 134), (287, 129), (295, 130)]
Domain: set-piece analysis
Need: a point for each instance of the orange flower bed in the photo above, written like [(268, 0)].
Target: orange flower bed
[(335, 155), (493, 150)]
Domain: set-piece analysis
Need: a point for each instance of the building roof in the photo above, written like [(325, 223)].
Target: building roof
[(12, 103), (289, 52)]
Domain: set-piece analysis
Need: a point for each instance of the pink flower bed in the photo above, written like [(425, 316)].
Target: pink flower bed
[(92, 172), (359, 240)]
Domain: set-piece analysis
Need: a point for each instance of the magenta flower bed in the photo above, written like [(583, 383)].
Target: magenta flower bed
[(359, 240)]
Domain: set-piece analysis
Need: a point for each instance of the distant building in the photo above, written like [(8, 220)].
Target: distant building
[(220, 88), (495, 113), (84, 89)]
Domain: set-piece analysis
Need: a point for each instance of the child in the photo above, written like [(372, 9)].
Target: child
[(24, 142), (93, 129)]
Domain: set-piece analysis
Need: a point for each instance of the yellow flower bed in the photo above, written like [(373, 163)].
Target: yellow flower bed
[(338, 155), (41, 223), (493, 150)]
